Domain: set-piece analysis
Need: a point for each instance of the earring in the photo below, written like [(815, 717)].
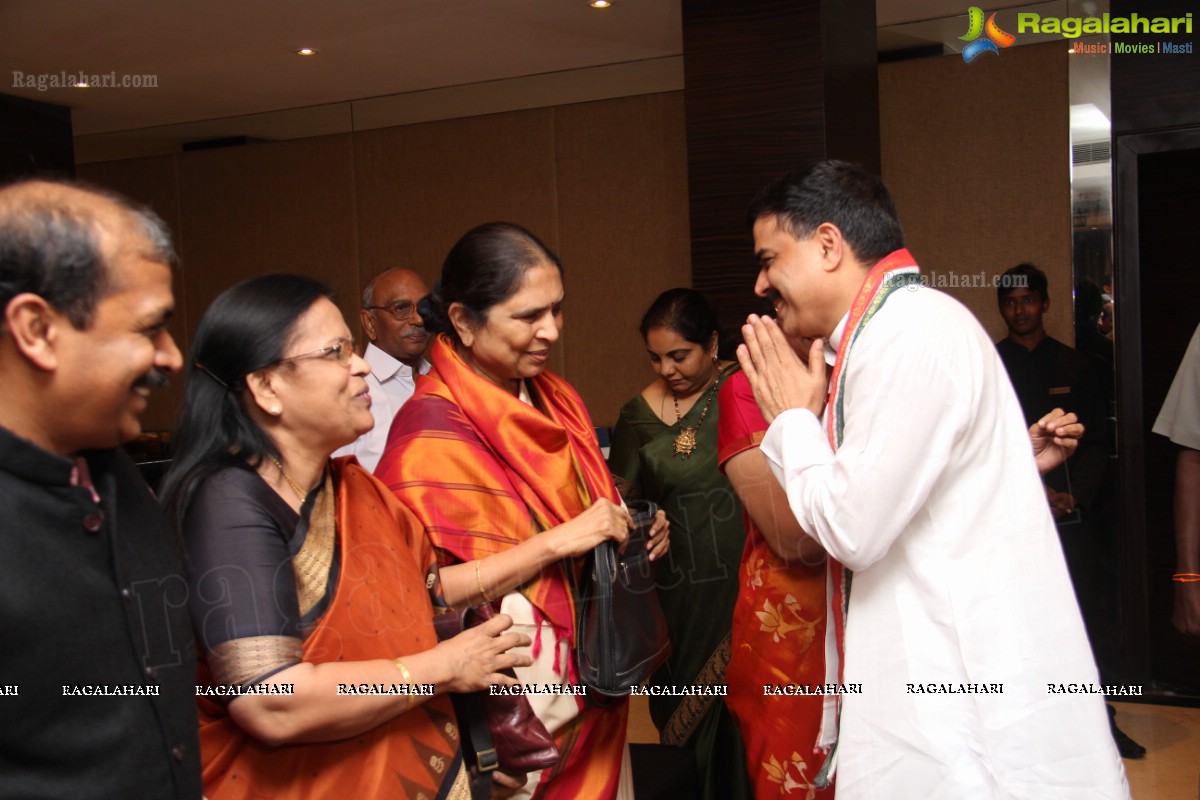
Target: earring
[(715, 359), (275, 411)]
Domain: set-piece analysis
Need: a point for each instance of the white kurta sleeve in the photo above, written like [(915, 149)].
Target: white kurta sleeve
[(1179, 419), (905, 405)]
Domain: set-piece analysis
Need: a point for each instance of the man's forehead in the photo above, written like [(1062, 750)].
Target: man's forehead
[(399, 285)]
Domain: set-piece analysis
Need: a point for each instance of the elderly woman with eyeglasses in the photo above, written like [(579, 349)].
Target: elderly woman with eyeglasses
[(312, 589)]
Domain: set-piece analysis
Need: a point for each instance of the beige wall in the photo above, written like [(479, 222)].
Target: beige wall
[(604, 183), (977, 157)]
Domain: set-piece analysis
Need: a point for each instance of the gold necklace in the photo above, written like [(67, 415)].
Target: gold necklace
[(287, 479), (685, 441)]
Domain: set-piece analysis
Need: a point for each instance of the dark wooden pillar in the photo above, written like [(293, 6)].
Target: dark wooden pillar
[(35, 139), (1156, 194), (769, 86)]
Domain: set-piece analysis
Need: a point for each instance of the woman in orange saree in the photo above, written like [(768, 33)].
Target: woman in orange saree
[(498, 458), (778, 620), (312, 589)]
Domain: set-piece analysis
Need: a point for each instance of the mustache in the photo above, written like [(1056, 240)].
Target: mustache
[(416, 330), (156, 378)]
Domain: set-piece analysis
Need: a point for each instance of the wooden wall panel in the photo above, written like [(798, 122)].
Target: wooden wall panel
[(602, 183), (420, 187), (154, 182), (623, 236), (1168, 193), (977, 158), (35, 139), (1154, 91), (279, 207), (1156, 147), (771, 85)]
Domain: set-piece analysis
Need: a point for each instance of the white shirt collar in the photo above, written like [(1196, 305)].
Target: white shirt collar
[(383, 366)]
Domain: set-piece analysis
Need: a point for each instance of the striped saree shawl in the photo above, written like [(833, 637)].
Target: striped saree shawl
[(484, 472)]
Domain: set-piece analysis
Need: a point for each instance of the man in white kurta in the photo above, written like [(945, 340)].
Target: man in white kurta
[(962, 626), (1179, 421), (396, 354)]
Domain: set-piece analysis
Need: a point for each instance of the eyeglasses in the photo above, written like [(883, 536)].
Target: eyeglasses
[(401, 309), (344, 350)]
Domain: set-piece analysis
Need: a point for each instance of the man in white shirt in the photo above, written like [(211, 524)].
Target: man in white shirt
[(396, 354), (962, 635)]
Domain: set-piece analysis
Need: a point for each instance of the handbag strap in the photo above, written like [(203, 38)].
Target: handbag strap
[(479, 751)]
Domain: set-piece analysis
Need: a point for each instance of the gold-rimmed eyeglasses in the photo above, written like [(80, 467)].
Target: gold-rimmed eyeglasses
[(344, 351), (401, 309)]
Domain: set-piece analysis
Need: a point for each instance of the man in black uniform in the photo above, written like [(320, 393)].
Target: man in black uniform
[(1048, 374), (97, 662)]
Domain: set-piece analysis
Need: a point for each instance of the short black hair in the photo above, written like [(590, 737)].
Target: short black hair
[(1023, 276), (49, 246), (839, 192)]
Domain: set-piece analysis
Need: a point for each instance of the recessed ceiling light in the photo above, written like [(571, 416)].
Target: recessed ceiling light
[(601, 3), (307, 51)]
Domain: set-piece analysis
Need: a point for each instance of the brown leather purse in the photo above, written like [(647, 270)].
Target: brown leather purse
[(502, 730)]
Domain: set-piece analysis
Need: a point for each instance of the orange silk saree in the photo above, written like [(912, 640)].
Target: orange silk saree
[(381, 608), (484, 472)]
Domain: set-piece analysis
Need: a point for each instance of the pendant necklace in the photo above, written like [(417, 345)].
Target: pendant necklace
[(685, 441)]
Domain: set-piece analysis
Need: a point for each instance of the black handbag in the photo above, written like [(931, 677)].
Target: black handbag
[(621, 633), (501, 731)]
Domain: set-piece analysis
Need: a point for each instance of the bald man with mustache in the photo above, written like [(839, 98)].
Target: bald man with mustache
[(396, 354)]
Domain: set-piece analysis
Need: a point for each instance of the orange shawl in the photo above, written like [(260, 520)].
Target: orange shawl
[(380, 609), (485, 472)]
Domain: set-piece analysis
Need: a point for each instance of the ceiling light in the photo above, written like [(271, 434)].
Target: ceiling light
[(307, 51), (601, 3)]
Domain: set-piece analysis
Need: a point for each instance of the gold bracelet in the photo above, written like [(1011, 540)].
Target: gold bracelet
[(1186, 577), (478, 580), (408, 681)]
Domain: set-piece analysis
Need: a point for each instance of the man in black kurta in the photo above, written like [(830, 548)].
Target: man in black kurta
[(97, 663), (1048, 374)]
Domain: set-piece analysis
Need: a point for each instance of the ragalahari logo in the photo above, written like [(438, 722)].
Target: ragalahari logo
[(996, 38)]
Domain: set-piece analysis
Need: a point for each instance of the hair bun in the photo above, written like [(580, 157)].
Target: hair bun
[(432, 308)]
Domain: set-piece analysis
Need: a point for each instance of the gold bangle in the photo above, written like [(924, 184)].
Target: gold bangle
[(1186, 577), (479, 581), (408, 681)]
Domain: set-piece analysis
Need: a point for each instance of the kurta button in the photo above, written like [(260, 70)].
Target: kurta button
[(93, 522), (125, 592), (151, 673), (177, 753)]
